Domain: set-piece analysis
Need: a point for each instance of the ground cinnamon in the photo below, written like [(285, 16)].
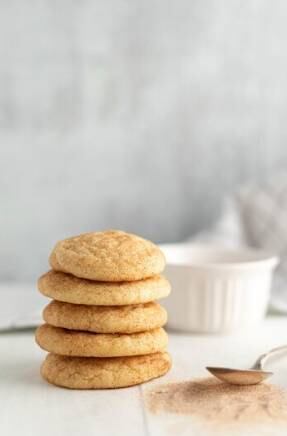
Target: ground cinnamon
[(216, 402)]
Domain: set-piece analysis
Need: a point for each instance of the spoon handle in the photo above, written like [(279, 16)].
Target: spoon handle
[(262, 359)]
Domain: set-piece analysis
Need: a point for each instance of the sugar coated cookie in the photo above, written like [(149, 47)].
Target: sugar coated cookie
[(75, 343), (109, 256), (70, 289), (105, 319), (103, 373)]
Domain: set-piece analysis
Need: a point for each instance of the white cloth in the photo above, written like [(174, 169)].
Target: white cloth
[(20, 306), (256, 216)]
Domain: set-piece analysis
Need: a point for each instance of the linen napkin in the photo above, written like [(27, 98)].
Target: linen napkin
[(21, 306), (256, 216)]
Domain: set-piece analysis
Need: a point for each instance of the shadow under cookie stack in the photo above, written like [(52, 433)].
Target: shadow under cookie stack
[(103, 328)]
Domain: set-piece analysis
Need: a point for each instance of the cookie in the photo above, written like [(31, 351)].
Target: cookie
[(85, 344), (105, 319), (110, 256), (70, 289), (103, 373)]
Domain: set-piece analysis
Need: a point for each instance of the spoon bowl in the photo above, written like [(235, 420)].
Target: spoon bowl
[(256, 374), (239, 376)]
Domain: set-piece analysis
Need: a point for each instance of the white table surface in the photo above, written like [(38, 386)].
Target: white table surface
[(29, 406)]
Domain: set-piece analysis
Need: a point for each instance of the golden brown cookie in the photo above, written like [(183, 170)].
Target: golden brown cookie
[(85, 344), (110, 256), (70, 289), (103, 373), (105, 319)]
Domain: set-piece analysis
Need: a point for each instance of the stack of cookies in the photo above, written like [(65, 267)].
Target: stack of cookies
[(103, 328)]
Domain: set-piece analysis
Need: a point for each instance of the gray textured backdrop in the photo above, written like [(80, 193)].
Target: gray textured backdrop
[(131, 114)]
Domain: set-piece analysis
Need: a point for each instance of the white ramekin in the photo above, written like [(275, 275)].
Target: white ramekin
[(216, 290)]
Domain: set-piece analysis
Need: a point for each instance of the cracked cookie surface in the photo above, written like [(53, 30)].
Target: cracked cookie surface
[(103, 373), (110, 256), (67, 288), (86, 344), (105, 319)]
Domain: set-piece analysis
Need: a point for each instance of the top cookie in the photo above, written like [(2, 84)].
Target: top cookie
[(110, 256)]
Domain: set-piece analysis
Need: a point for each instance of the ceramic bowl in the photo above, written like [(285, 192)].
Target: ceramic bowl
[(217, 290)]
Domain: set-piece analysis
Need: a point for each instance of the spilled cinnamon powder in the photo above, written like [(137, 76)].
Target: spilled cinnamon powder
[(216, 402)]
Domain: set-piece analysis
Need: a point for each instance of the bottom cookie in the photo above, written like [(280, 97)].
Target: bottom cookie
[(103, 373)]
